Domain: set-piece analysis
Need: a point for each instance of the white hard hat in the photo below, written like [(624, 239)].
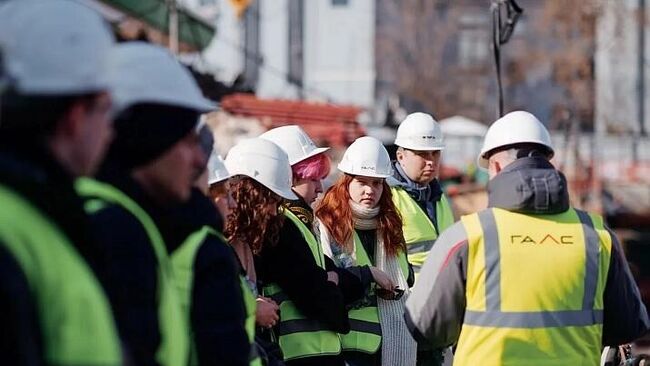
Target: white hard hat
[(367, 157), (514, 128), (217, 171), (145, 73), (263, 161), (54, 47), (294, 141), (420, 132)]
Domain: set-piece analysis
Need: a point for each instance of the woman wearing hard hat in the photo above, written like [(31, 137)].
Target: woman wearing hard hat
[(296, 271), (261, 179), (361, 230)]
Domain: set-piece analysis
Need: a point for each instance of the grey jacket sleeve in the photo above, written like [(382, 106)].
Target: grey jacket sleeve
[(435, 310), (625, 316)]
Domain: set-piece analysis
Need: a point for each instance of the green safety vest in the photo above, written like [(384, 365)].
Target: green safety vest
[(299, 336), (74, 312), (365, 329), (182, 260), (534, 289), (174, 343), (419, 232)]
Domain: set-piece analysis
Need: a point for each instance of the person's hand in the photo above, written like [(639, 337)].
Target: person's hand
[(333, 277), (382, 279), (267, 313)]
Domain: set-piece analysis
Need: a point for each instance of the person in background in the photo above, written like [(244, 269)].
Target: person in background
[(295, 272), (207, 276), (151, 166), (419, 198), (55, 126), (529, 280), (361, 230)]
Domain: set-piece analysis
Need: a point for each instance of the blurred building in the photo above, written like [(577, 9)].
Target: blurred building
[(296, 49)]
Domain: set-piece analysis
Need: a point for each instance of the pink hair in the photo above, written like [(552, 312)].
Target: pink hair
[(315, 167)]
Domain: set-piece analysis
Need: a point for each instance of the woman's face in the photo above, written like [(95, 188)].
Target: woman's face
[(366, 190), (224, 202)]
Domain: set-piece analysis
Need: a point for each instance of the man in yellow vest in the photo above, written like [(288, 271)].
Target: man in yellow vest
[(150, 167), (54, 126), (416, 191), (418, 196), (530, 280)]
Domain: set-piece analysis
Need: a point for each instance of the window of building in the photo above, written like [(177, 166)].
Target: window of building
[(340, 2), (473, 40)]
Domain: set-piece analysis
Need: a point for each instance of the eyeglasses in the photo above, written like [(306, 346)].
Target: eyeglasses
[(394, 294)]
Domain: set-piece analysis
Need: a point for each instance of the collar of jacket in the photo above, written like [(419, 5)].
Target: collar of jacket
[(29, 169), (302, 210), (529, 185)]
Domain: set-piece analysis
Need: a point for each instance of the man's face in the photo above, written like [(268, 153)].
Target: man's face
[(95, 132), (420, 166), (169, 178), (308, 189)]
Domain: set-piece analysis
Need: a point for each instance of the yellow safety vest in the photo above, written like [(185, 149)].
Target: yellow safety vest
[(419, 232), (74, 312), (534, 289), (174, 343), (365, 329), (182, 260), (301, 337)]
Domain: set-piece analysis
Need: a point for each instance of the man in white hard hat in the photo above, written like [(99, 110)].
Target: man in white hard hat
[(151, 166), (54, 126), (418, 196), (417, 193), (530, 280)]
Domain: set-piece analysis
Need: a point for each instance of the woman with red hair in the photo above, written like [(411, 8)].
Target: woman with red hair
[(361, 230)]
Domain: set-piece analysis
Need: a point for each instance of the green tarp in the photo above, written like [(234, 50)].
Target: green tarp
[(192, 30)]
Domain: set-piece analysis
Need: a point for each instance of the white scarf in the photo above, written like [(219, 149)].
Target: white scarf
[(398, 346)]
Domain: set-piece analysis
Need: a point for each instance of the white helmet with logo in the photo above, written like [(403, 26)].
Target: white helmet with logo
[(217, 171), (514, 128), (145, 73), (53, 47), (294, 141), (420, 132), (263, 161), (367, 157)]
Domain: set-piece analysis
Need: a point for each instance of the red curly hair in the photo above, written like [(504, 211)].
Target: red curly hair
[(335, 213), (256, 219)]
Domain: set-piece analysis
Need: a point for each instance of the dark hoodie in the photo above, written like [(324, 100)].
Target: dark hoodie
[(435, 310)]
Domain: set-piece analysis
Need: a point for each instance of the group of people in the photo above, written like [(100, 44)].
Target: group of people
[(125, 239)]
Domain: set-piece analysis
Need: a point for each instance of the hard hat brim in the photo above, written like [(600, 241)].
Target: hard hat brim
[(318, 150), (420, 148)]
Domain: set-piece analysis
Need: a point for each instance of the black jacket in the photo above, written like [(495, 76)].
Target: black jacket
[(217, 311), (129, 268), (291, 265)]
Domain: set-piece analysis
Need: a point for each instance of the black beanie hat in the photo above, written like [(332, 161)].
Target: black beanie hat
[(144, 132)]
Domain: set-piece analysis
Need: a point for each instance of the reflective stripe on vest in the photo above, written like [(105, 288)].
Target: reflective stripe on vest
[(419, 232), (299, 336), (174, 343), (534, 288), (365, 329), (75, 315)]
